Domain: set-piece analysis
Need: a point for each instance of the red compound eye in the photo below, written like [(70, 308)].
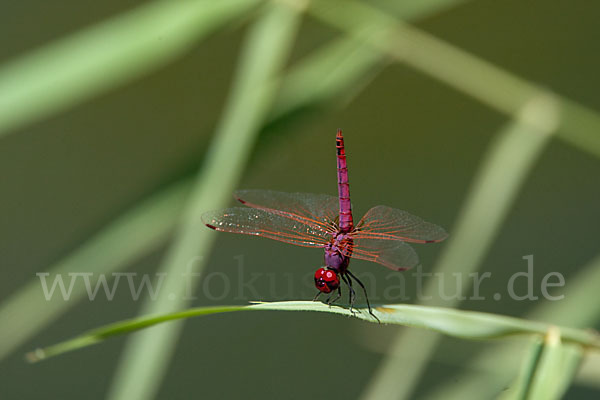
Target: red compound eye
[(326, 280)]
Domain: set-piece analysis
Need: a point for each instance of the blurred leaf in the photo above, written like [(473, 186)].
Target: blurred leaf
[(337, 70), (577, 295), (503, 171), (73, 69), (590, 370), (486, 82), (342, 66), (555, 369), (114, 247), (548, 371), (521, 388), (146, 356), (458, 323), (417, 9)]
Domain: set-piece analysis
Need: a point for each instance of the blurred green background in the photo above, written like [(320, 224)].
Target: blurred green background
[(413, 143)]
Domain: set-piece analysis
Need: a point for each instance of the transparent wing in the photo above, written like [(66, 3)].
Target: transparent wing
[(251, 221), (382, 222), (393, 254), (313, 209)]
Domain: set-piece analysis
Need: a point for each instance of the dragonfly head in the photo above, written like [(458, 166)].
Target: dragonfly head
[(326, 280)]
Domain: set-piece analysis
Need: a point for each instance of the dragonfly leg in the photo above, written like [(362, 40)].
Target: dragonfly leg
[(365, 292), (335, 298), (351, 292)]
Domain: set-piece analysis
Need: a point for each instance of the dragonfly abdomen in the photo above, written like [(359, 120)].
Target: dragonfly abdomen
[(346, 222)]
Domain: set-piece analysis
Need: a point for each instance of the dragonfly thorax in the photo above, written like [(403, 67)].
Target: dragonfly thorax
[(337, 252)]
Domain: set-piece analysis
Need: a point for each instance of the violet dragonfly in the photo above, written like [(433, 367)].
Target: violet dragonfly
[(322, 221)]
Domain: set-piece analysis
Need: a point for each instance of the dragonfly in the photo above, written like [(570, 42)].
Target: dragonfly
[(326, 222)]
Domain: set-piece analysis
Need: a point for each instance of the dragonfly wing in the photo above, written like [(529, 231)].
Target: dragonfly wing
[(319, 209), (382, 222), (250, 221), (393, 254)]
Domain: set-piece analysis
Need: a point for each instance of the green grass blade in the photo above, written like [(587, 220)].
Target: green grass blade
[(122, 328), (496, 185), (114, 247), (61, 74), (457, 323), (146, 357), (486, 82)]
